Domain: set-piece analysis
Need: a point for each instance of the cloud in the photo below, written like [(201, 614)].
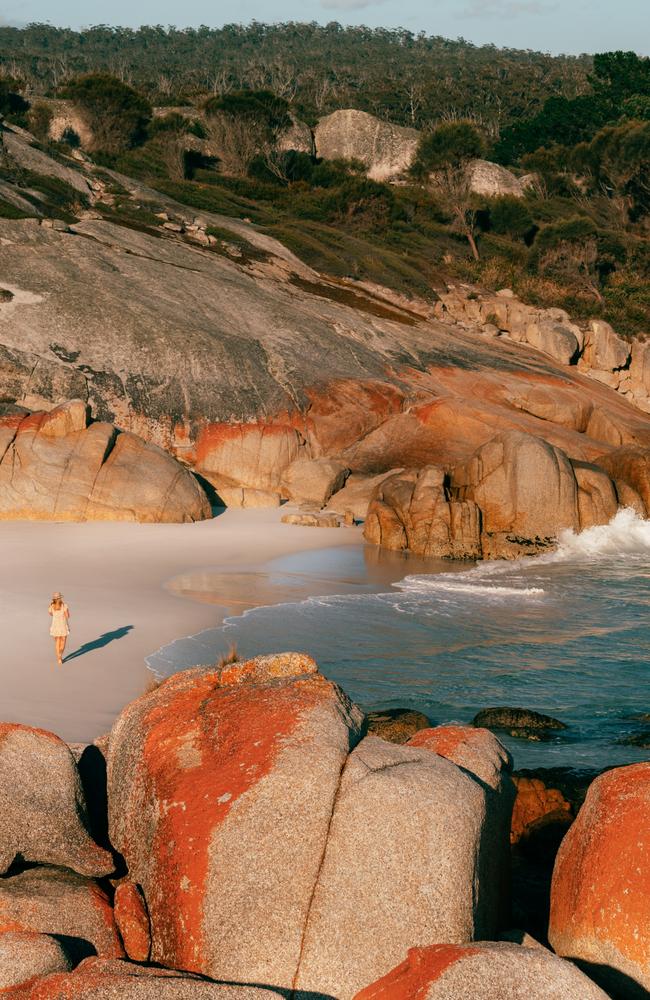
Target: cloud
[(507, 8), (349, 4)]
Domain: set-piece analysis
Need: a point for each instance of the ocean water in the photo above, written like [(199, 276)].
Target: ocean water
[(565, 634)]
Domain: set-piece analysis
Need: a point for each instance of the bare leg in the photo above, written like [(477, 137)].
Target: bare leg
[(58, 649), (64, 639)]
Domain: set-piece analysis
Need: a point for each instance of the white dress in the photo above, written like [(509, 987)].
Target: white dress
[(59, 626)]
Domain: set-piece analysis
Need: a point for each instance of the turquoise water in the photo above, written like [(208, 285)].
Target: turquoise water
[(565, 634)]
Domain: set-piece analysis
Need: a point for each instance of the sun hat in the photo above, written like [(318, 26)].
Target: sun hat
[(57, 596)]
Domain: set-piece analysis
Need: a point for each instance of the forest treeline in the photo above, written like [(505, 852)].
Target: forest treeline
[(410, 79)]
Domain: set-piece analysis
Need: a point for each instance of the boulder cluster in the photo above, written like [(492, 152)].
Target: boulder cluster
[(512, 497), (255, 840)]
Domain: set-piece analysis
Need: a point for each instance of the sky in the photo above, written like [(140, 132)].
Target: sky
[(548, 25)]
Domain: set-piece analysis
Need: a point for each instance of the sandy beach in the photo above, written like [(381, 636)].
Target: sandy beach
[(124, 585)]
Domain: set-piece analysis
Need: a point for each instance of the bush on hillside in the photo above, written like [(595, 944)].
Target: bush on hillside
[(116, 114), (13, 106)]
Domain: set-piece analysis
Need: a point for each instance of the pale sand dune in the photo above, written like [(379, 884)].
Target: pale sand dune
[(112, 576)]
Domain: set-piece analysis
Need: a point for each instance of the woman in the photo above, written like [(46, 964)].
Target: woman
[(59, 629)]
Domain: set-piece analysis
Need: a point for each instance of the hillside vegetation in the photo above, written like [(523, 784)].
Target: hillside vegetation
[(581, 127)]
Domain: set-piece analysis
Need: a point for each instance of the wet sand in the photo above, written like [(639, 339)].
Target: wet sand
[(124, 584)]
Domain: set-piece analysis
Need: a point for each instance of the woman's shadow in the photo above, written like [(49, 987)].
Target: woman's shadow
[(102, 640)]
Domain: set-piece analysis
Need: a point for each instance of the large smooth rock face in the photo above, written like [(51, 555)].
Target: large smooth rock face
[(106, 979), (411, 510), (401, 865), (53, 466), (58, 901), (23, 956), (601, 881), (212, 769), (526, 491), (43, 815), (483, 971), (387, 150)]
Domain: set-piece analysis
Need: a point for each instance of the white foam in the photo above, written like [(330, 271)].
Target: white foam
[(626, 534)]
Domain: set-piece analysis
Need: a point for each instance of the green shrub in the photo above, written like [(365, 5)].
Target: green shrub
[(116, 114), (12, 105), (510, 216)]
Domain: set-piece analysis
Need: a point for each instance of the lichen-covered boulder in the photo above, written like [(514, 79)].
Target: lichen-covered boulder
[(403, 864), (24, 956), (43, 814), (600, 895), (58, 901), (105, 979), (57, 466), (482, 971), (215, 768)]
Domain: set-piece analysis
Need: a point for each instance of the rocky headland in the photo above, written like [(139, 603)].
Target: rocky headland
[(467, 426)]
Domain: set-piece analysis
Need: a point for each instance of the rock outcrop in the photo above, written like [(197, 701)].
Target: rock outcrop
[(386, 150), (58, 901), (237, 388), (43, 814), (56, 466), (132, 921), (601, 882), (479, 752), (483, 971)]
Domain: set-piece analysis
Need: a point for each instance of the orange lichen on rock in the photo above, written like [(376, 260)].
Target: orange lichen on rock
[(600, 895), (444, 740), (132, 921), (411, 979)]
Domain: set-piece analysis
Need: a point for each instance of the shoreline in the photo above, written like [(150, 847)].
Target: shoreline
[(115, 577)]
